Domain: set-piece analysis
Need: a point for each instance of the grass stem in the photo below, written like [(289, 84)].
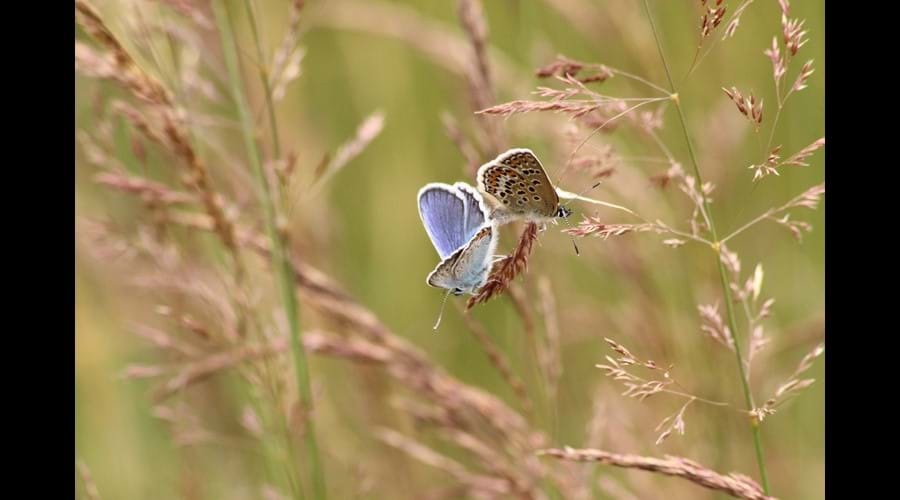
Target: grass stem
[(280, 262), (726, 291), (264, 79)]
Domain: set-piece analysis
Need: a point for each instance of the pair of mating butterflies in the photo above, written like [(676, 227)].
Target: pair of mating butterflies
[(463, 225)]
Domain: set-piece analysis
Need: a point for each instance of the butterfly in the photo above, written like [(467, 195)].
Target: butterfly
[(457, 222), (520, 188)]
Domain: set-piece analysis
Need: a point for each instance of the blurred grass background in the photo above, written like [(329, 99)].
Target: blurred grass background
[(364, 230)]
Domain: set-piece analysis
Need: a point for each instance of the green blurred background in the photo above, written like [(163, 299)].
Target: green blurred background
[(364, 230)]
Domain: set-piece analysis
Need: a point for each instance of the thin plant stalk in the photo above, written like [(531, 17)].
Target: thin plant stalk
[(264, 79), (280, 263), (717, 246), (276, 143)]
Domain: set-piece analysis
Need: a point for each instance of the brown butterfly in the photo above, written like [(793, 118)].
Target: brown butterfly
[(518, 185)]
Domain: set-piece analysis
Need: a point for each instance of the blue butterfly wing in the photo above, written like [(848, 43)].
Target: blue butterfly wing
[(475, 210), (443, 214)]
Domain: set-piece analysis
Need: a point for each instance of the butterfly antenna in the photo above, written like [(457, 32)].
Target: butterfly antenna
[(575, 245), (441, 313), (582, 193), (569, 224)]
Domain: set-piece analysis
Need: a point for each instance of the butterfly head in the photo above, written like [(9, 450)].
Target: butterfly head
[(563, 212)]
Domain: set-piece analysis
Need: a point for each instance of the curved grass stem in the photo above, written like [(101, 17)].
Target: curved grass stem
[(726, 291)]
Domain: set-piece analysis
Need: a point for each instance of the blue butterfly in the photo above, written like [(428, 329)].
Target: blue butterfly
[(456, 219)]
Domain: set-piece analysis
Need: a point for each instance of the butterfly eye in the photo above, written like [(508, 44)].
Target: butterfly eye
[(457, 291)]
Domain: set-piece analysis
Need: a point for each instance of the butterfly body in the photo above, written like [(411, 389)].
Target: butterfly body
[(520, 189), (457, 221)]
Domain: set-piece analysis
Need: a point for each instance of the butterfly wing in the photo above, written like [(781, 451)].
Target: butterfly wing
[(476, 212), (467, 268), (517, 180), (442, 209), (476, 260), (442, 276)]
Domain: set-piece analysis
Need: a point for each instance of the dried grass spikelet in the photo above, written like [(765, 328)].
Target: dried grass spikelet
[(286, 62), (636, 386), (714, 326), (191, 11), (593, 226), (202, 368), (779, 67), (562, 66), (736, 485), (126, 70), (792, 30), (774, 161), (575, 109), (805, 72), (595, 110), (90, 487), (479, 75), (748, 106), (442, 45), (493, 461), (479, 486), (471, 17), (711, 18), (158, 120), (367, 131), (143, 187), (735, 20), (672, 423), (790, 388), (365, 340), (506, 270)]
